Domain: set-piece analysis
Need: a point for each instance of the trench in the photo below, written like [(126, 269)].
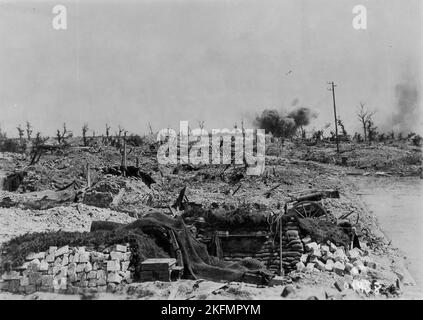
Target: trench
[(397, 203)]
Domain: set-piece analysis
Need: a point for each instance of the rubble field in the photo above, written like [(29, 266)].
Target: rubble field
[(285, 234)]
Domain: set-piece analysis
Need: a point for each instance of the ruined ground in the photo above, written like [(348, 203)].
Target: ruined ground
[(297, 168)]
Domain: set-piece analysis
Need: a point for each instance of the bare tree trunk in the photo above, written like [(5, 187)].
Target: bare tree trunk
[(365, 131)]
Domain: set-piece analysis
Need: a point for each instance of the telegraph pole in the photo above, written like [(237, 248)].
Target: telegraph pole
[(332, 88)]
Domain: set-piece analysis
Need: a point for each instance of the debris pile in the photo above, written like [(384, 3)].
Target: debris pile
[(329, 257), (127, 195), (105, 192)]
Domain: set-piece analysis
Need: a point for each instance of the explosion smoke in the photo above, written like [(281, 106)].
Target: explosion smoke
[(302, 116), (406, 117), (281, 125)]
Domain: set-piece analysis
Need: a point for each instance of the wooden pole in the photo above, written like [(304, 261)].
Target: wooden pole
[(280, 247), (334, 113)]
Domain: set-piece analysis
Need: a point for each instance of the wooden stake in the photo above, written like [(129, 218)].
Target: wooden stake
[(280, 247)]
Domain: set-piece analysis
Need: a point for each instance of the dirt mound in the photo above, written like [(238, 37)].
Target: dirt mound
[(122, 194), (322, 231)]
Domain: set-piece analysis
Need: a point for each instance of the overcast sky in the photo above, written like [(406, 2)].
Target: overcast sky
[(131, 62)]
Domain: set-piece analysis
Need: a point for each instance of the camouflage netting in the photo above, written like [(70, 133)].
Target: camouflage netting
[(322, 231), (197, 261), (241, 218)]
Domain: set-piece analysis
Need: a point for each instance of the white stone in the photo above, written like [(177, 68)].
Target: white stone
[(328, 256), (339, 268), (354, 254), (80, 267), (332, 247), (316, 253), (114, 277), (75, 258), (354, 271), (61, 251), (24, 281), (120, 248), (84, 257), (43, 266), (34, 264), (320, 265), (306, 240), (127, 256), (304, 258), (300, 266), (115, 255), (101, 274), (339, 255), (329, 265), (52, 250), (125, 274), (33, 256), (309, 267), (125, 265), (64, 271), (313, 246), (58, 261), (50, 258), (88, 267), (113, 265), (324, 249)]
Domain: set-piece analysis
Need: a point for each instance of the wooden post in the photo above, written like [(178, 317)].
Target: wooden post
[(88, 176), (280, 247), (334, 114)]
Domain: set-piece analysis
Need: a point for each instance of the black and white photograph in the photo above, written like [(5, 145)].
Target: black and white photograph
[(195, 151)]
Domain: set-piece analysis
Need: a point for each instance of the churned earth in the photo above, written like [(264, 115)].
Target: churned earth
[(208, 186)]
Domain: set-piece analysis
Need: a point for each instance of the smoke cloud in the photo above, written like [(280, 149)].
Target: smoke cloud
[(406, 115), (302, 116), (282, 125)]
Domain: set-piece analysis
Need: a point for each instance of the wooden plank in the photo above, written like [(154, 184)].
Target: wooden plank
[(168, 261)]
